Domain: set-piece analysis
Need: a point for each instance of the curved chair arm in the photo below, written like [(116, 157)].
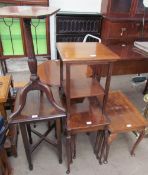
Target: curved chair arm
[(92, 36)]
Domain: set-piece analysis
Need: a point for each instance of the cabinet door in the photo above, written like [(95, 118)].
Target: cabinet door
[(117, 7), (120, 6), (140, 9), (121, 30), (145, 32)]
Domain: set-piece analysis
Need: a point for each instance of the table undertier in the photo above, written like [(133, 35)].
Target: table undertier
[(85, 87)]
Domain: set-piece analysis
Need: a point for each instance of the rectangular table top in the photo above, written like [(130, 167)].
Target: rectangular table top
[(27, 11), (128, 52), (76, 52)]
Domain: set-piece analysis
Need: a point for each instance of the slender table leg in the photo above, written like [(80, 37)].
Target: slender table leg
[(26, 144), (59, 142), (68, 151), (107, 85), (141, 136), (61, 73), (68, 88)]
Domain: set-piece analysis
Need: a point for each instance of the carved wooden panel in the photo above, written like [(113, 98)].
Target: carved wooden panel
[(74, 27)]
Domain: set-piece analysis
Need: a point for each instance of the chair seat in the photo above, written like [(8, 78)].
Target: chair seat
[(123, 114), (86, 116)]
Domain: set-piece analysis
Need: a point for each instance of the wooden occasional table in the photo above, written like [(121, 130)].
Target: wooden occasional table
[(27, 13), (89, 54), (85, 116)]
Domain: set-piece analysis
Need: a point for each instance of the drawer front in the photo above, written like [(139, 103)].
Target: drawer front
[(125, 30), (121, 30)]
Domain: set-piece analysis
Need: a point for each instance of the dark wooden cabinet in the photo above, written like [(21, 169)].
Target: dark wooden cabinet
[(140, 10), (122, 30), (123, 21), (74, 27), (117, 7)]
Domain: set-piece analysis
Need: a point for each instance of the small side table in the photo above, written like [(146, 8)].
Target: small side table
[(26, 13)]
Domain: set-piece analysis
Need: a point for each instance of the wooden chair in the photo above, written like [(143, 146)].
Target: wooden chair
[(40, 109), (5, 168), (124, 118)]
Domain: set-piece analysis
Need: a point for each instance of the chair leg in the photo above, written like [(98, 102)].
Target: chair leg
[(29, 133), (59, 142), (141, 136), (26, 144), (68, 151)]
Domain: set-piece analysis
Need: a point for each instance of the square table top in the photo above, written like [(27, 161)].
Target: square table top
[(76, 52), (27, 11)]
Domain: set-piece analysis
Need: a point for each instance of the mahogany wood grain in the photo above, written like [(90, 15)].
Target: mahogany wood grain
[(27, 11), (123, 114), (84, 54), (86, 87), (49, 72), (132, 61), (123, 8), (38, 108), (37, 104), (77, 52), (124, 117), (86, 117)]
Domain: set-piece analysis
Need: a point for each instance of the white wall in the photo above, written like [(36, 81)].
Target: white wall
[(77, 5), (71, 6)]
